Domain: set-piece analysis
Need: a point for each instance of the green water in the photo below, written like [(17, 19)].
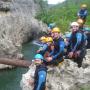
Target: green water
[(10, 79)]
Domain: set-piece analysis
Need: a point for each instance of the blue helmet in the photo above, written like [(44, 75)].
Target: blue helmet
[(38, 56), (51, 25)]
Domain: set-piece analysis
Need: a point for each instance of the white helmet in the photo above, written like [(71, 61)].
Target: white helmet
[(74, 24)]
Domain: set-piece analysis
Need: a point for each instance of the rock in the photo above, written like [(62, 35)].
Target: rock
[(67, 76), (4, 6), (18, 25), (27, 80)]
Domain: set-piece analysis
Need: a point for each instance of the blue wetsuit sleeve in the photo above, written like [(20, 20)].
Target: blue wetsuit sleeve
[(85, 13), (61, 49), (78, 13), (52, 52), (42, 79), (85, 37), (79, 38), (44, 48)]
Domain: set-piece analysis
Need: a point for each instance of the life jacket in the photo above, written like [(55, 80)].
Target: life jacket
[(73, 41), (36, 78), (57, 46)]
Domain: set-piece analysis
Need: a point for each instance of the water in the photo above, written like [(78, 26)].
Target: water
[(10, 79)]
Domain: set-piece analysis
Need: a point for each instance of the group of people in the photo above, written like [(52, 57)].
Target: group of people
[(55, 48)]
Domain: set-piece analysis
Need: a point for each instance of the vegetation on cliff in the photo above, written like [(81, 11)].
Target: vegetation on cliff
[(62, 14)]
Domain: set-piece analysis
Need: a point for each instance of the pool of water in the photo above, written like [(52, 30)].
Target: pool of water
[(10, 79)]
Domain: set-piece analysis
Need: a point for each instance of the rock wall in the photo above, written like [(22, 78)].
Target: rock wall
[(17, 25), (66, 76)]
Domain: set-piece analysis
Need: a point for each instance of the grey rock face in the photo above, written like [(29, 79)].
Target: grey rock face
[(17, 25), (66, 76)]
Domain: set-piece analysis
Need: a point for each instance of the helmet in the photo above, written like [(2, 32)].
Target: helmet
[(80, 21), (49, 39), (56, 29), (84, 6), (38, 56), (74, 24), (51, 25), (43, 38)]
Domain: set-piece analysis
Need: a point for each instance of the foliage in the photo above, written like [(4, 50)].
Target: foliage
[(62, 14)]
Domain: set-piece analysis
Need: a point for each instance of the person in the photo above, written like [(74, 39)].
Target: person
[(81, 23), (40, 73), (82, 13), (46, 48), (56, 55), (50, 27), (35, 77), (66, 40), (76, 44), (81, 28), (67, 37)]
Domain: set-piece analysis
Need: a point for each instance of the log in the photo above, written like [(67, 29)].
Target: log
[(15, 62)]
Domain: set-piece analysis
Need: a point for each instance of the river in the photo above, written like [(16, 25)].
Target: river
[(10, 79)]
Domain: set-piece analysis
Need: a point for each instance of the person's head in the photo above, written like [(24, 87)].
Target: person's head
[(51, 26), (38, 59), (80, 22), (49, 41), (43, 39), (56, 33), (83, 6), (74, 27)]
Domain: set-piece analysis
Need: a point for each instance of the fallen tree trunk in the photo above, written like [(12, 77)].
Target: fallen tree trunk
[(15, 62)]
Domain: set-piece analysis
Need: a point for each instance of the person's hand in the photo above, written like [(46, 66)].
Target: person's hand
[(37, 51), (77, 54), (70, 54), (48, 59)]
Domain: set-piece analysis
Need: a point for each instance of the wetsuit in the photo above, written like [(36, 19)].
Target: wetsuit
[(82, 14), (58, 51), (77, 43), (44, 48), (40, 77)]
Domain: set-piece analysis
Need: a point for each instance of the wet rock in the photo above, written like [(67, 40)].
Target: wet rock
[(4, 5), (67, 76)]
